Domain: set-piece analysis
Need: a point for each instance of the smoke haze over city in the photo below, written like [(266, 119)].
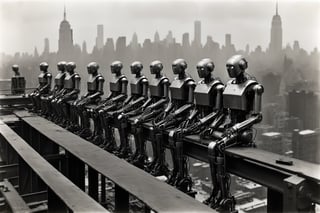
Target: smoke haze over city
[(26, 23)]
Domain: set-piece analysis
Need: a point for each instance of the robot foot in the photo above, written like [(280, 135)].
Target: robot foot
[(184, 184), (110, 147), (227, 205), (85, 133), (139, 161), (160, 170), (172, 178), (124, 153), (97, 140)]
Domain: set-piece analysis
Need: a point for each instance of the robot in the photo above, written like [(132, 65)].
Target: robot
[(49, 103), (118, 87), (159, 89), (18, 83), (43, 89), (133, 106), (175, 112), (208, 98), (242, 98), (68, 96), (92, 97)]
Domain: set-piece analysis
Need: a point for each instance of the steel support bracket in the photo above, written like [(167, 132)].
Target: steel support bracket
[(295, 196)]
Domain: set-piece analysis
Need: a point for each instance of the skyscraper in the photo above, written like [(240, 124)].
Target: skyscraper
[(275, 45), (156, 37), (306, 144), (134, 41), (185, 40), (100, 36), (197, 34), (46, 49), (65, 47), (228, 40)]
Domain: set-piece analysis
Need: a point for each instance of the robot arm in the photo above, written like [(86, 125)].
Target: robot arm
[(190, 118), (191, 86), (146, 104), (145, 85), (219, 89), (166, 85), (124, 85), (158, 104), (182, 109)]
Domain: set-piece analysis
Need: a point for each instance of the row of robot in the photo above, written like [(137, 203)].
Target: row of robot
[(221, 114)]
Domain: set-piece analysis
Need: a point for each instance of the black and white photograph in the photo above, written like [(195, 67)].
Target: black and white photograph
[(160, 106)]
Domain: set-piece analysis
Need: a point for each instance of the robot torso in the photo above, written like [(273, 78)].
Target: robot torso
[(136, 85), (59, 79), (179, 89), (239, 96), (116, 84), (156, 87), (92, 84), (205, 94)]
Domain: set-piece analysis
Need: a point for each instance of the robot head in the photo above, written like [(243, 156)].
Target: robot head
[(205, 67), (179, 66), (116, 67), (44, 66), (156, 67), (70, 66), (136, 67), (236, 65), (62, 66), (92, 67), (15, 68)]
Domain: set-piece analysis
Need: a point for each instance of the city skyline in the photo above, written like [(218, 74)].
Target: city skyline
[(204, 30)]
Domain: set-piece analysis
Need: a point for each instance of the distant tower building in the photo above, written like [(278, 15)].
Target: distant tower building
[(35, 52), (306, 145), (276, 33), (304, 105), (228, 40), (134, 42), (109, 44), (121, 47), (84, 47), (296, 46), (65, 47), (169, 38), (185, 40), (156, 37), (247, 49), (100, 36), (46, 49), (197, 34), (272, 142)]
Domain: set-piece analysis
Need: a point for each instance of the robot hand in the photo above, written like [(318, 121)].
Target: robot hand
[(229, 132), (207, 133)]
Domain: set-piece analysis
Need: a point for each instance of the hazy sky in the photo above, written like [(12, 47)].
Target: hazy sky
[(25, 24)]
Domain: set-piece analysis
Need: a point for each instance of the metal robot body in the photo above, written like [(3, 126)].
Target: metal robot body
[(242, 102)]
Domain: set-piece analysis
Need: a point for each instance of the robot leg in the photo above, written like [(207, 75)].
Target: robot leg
[(212, 200), (124, 150), (97, 135), (160, 167), (86, 132), (141, 157)]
